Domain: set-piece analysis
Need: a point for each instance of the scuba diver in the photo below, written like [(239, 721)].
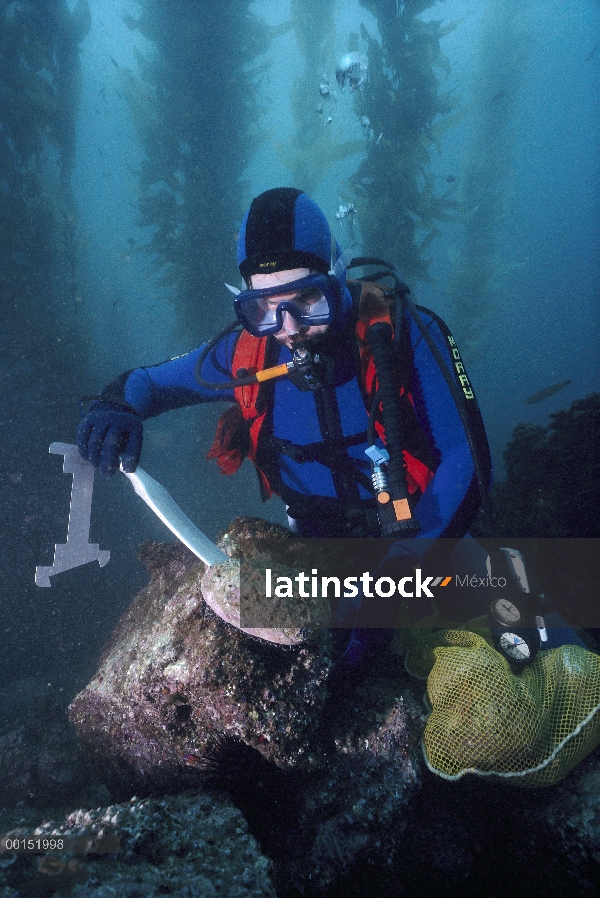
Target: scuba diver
[(355, 408)]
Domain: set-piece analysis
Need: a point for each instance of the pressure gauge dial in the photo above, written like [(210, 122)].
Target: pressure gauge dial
[(514, 648), (505, 612)]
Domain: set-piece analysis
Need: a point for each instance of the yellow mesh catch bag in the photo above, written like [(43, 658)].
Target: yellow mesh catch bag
[(529, 728)]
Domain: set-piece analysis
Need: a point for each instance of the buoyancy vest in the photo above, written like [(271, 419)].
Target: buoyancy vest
[(239, 429)]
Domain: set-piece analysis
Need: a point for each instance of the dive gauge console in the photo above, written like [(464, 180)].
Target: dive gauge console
[(516, 630), (516, 648), (505, 613)]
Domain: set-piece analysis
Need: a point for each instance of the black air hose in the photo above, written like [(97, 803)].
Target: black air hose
[(379, 337), (227, 385)]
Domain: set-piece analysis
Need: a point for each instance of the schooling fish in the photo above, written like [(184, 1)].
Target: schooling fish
[(547, 391)]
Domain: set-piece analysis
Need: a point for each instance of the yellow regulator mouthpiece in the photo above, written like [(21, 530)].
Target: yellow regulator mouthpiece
[(270, 373)]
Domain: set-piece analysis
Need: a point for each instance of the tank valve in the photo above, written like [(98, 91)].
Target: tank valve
[(393, 510), (379, 477)]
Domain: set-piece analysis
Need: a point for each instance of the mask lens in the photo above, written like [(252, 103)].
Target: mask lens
[(261, 311), (259, 314), (313, 309)]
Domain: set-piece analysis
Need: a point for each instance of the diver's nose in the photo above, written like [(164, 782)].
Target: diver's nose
[(290, 325)]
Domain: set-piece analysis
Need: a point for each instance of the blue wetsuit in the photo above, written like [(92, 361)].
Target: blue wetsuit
[(451, 501)]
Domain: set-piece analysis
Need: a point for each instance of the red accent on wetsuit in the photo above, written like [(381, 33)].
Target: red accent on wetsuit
[(248, 416)]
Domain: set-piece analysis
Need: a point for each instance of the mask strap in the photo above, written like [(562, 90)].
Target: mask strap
[(339, 267)]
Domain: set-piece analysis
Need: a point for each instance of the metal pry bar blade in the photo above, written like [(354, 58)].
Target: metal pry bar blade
[(164, 506), (78, 549)]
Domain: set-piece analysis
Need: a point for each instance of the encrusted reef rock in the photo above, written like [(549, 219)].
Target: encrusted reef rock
[(175, 679), (176, 845), (174, 675), (552, 486), (573, 818), (321, 764), (251, 546), (353, 813)]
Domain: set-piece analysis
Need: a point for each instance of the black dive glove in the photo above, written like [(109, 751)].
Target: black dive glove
[(109, 430)]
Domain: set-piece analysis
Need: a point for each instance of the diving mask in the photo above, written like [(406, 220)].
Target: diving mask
[(310, 301)]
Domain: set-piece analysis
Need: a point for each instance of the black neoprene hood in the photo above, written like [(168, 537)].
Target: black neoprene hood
[(283, 229)]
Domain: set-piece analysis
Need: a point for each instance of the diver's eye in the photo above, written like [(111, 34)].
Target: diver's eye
[(268, 303), (303, 297), (308, 297)]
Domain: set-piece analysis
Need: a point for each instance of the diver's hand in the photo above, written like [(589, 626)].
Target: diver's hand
[(109, 430)]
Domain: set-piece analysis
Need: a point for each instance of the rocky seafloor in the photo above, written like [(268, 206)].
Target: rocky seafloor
[(188, 844)]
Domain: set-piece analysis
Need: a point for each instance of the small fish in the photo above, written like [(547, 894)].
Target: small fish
[(592, 52), (547, 391), (192, 760), (114, 62), (450, 179), (499, 96)]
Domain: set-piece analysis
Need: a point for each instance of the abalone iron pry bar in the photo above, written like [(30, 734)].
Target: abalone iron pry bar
[(79, 550)]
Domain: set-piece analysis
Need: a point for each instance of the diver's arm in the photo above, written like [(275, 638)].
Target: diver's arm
[(112, 431), (172, 384), (452, 500)]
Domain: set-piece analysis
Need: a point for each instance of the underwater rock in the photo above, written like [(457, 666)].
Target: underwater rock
[(174, 675), (573, 817), (183, 700), (552, 486), (354, 813), (473, 837), (324, 764), (183, 845), (322, 825), (286, 620)]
